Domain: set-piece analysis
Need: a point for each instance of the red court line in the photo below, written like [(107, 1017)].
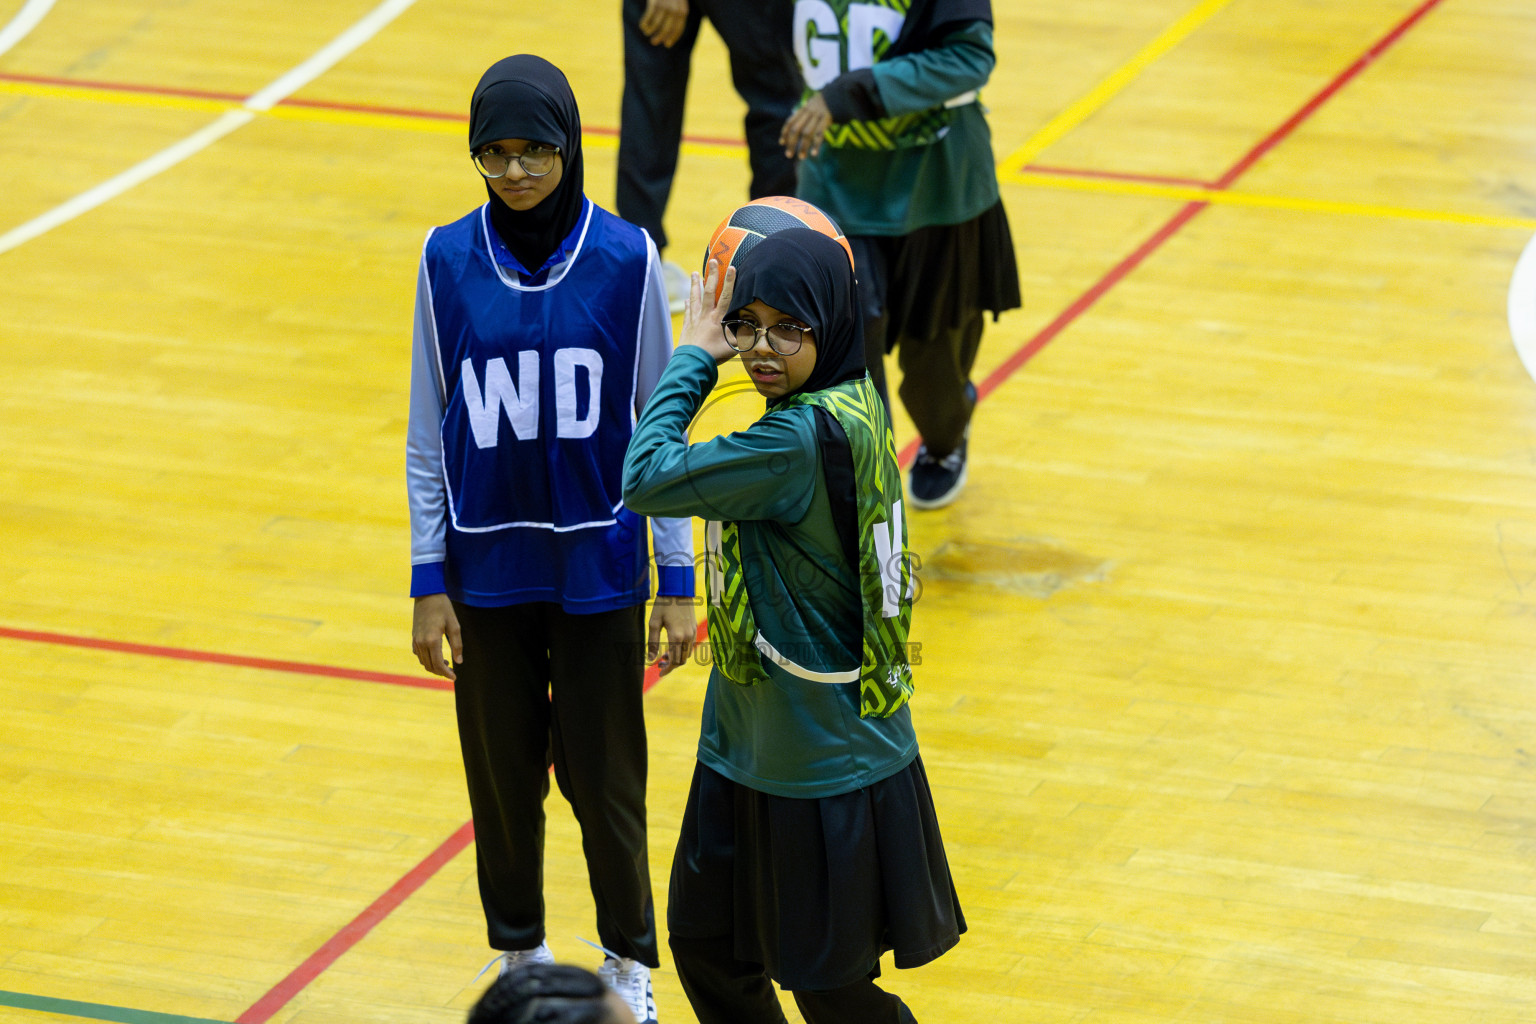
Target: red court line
[(345, 939), (216, 658), (652, 674), (438, 115), (148, 90), (1119, 271), (299, 978), (278, 996), (1310, 107), (364, 108), (352, 108), (1150, 179)]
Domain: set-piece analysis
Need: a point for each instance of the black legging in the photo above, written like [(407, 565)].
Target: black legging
[(935, 378), (539, 686), (724, 990)]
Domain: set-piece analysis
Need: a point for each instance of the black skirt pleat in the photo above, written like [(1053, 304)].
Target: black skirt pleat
[(934, 279), (816, 890)]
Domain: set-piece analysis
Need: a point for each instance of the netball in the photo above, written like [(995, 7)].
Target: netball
[(747, 225)]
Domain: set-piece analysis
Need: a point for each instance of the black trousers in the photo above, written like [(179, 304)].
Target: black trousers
[(541, 687), (757, 34), (724, 990), (935, 378), (936, 356)]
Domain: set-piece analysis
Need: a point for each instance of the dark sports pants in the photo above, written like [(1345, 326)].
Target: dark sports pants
[(724, 990), (539, 686), (935, 379), (936, 369), (758, 35)]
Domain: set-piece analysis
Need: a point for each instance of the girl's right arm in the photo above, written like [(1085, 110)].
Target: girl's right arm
[(433, 617), (426, 489), (767, 471)]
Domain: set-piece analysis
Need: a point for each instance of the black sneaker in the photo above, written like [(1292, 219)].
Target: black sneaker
[(935, 481)]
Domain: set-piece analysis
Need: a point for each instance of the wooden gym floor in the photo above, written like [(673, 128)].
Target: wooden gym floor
[(1228, 649)]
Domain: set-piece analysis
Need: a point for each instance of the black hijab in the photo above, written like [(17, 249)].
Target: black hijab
[(527, 97), (807, 275)]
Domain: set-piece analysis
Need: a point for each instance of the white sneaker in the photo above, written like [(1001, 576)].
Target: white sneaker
[(677, 281), (514, 958), (631, 979)]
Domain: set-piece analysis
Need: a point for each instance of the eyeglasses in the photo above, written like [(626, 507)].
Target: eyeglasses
[(536, 161), (783, 338)]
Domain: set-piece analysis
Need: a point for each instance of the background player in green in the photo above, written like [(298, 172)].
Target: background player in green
[(809, 844), (894, 144)]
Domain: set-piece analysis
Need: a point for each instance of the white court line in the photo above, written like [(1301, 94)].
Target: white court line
[(135, 175), (265, 99), (25, 21), (1522, 307), (329, 56)]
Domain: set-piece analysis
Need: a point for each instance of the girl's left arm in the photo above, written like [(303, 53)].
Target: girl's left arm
[(918, 81), (958, 66), (671, 538)]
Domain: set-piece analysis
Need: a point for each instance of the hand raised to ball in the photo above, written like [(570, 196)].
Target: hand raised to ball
[(701, 325)]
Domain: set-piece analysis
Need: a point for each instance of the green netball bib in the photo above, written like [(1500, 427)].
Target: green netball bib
[(835, 36), (886, 586)]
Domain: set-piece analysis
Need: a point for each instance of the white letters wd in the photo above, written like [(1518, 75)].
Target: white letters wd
[(566, 361), (891, 554), (521, 400), (522, 404)]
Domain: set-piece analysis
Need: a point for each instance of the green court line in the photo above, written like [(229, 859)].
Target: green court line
[(95, 1011)]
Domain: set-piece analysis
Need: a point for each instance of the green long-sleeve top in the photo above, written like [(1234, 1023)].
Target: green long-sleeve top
[(788, 736), (895, 192)]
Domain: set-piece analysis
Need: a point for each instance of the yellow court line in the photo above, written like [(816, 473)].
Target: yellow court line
[(129, 99), (1106, 90), (1193, 194), (606, 141), (164, 101), (408, 122), (366, 119), (290, 112)]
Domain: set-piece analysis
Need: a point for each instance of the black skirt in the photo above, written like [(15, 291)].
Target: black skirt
[(815, 890), (936, 278)]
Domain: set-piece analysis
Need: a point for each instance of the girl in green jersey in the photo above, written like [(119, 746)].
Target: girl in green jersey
[(809, 845)]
